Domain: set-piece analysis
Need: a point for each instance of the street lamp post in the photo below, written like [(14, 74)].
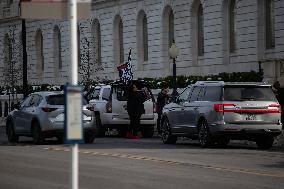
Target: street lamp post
[(174, 52)]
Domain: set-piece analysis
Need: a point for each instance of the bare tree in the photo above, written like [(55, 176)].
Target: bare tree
[(88, 67), (13, 73)]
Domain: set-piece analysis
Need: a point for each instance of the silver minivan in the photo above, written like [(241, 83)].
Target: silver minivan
[(216, 112)]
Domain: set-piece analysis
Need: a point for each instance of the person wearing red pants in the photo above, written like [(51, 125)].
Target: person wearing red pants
[(135, 109)]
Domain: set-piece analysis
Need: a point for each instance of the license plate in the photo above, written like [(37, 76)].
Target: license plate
[(251, 117)]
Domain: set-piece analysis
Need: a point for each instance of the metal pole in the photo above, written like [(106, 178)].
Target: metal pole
[(74, 43), (74, 81), (174, 93)]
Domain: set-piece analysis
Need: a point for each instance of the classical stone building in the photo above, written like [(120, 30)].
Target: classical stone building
[(213, 36)]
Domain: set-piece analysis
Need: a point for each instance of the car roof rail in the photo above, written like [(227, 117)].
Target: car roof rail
[(209, 82), (247, 83)]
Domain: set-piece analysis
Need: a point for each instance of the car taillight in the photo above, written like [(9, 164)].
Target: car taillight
[(90, 108), (224, 107), (274, 108), (109, 107), (46, 109)]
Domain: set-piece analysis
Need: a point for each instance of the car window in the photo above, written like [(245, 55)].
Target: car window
[(106, 94), (184, 95), (26, 102), (94, 94), (201, 94), (59, 100), (194, 94), (121, 94), (212, 93), (245, 93), (35, 101)]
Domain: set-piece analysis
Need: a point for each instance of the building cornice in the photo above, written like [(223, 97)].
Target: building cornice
[(100, 4)]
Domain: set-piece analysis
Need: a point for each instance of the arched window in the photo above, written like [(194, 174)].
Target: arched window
[(171, 28), (7, 52), (232, 25), (168, 27), (121, 49), (57, 50), (200, 30), (118, 41), (96, 37), (269, 27), (142, 38), (145, 38), (39, 52), (168, 32)]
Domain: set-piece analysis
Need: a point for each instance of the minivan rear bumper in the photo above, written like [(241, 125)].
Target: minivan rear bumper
[(114, 119), (240, 131)]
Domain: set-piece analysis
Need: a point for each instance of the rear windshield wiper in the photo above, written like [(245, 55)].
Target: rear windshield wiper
[(248, 98)]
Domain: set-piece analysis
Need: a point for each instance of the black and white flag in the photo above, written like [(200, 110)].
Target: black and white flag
[(125, 70)]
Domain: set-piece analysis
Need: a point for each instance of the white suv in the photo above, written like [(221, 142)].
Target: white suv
[(110, 106)]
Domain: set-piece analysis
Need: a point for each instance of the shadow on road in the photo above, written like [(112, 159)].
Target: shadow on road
[(116, 142)]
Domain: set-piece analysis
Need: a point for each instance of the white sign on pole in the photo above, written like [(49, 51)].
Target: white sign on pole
[(73, 111), (54, 9)]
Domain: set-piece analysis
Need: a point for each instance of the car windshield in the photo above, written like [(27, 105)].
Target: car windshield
[(59, 100), (94, 94), (245, 93), (122, 94)]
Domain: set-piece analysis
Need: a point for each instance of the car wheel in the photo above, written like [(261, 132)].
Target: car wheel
[(60, 139), (89, 138), (223, 142), (167, 136), (12, 137), (37, 133), (204, 135), (100, 129), (265, 142), (122, 132), (147, 132)]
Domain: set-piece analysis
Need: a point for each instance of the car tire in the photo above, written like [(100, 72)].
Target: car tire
[(37, 134), (100, 129), (12, 137), (167, 136), (223, 142), (265, 142), (122, 132), (60, 139), (89, 138), (204, 135), (147, 132)]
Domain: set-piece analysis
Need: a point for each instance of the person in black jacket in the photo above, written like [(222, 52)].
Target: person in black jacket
[(135, 108), (162, 100), (279, 93)]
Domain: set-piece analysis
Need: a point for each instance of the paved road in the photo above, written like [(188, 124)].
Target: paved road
[(146, 163)]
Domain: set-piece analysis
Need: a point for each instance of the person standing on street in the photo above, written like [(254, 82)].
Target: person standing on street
[(279, 93), (135, 108), (162, 100)]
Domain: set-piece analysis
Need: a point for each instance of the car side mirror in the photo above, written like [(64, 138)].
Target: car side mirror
[(16, 106)]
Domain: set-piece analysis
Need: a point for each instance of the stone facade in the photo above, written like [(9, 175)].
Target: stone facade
[(249, 39)]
